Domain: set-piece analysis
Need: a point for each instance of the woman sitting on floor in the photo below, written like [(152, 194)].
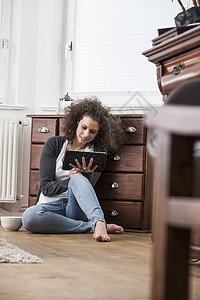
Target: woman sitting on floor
[(66, 201)]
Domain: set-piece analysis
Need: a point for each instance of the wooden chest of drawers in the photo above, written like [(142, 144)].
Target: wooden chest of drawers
[(177, 59), (124, 188)]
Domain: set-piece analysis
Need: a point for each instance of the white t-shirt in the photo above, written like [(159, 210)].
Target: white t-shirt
[(60, 175)]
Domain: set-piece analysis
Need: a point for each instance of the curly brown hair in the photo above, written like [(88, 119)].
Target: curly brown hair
[(111, 134)]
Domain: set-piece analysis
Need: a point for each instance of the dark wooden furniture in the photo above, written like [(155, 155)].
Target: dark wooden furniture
[(176, 210), (178, 59), (124, 188)]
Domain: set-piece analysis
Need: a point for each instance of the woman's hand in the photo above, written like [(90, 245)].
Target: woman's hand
[(74, 170), (84, 168)]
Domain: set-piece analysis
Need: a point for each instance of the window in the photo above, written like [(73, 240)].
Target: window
[(5, 10), (108, 38)]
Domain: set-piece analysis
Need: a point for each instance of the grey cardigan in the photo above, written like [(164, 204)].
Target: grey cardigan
[(48, 185)]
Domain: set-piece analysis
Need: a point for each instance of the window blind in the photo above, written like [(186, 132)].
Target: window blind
[(110, 38)]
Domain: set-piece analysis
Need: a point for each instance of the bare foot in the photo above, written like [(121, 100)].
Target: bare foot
[(100, 232), (113, 228)]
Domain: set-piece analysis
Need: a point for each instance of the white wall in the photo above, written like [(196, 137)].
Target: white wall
[(35, 69), (35, 74)]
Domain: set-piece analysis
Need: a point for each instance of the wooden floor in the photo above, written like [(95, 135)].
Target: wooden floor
[(78, 268)]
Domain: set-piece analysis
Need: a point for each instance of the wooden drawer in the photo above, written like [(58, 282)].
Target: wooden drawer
[(34, 182), (127, 214), (130, 186), (177, 70), (127, 159), (36, 150), (32, 201), (120, 186), (137, 137), (42, 129)]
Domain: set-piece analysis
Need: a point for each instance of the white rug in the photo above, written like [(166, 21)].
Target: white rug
[(10, 253)]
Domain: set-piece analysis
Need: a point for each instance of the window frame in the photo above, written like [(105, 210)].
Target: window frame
[(5, 12)]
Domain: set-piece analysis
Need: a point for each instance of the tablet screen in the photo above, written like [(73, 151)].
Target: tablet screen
[(99, 158)]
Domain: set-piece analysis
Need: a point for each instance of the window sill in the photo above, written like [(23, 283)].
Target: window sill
[(52, 110), (48, 108), (11, 107)]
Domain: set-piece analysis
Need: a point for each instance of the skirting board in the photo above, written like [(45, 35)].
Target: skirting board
[(4, 212)]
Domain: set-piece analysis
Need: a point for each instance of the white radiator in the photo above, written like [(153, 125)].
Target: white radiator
[(9, 146)]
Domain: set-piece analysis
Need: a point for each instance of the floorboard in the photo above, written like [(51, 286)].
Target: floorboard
[(76, 267)]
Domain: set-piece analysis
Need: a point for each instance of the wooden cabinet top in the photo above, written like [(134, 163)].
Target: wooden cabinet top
[(62, 116), (176, 45)]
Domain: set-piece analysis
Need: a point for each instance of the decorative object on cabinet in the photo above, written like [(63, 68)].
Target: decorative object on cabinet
[(188, 16), (178, 59), (65, 101), (124, 188)]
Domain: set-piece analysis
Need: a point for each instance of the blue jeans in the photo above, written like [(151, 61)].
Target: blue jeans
[(77, 214)]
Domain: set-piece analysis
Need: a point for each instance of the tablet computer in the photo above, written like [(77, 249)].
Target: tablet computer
[(99, 158)]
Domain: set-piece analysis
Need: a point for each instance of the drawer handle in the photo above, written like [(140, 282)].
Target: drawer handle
[(178, 68), (113, 213), (113, 185), (43, 130), (116, 157), (131, 129)]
